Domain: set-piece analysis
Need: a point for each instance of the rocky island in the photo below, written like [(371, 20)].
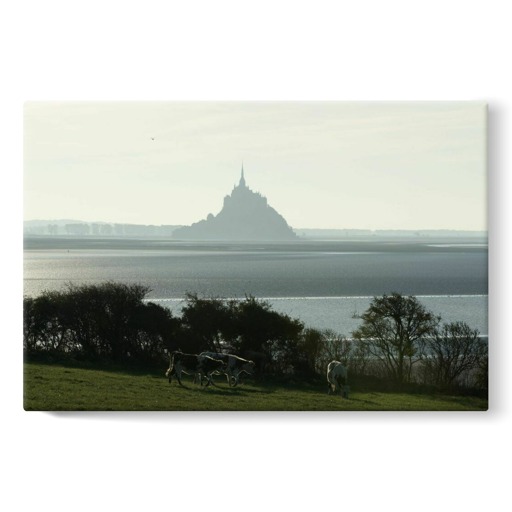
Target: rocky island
[(245, 215)]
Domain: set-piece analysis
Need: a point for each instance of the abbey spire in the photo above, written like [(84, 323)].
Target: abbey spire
[(242, 179)]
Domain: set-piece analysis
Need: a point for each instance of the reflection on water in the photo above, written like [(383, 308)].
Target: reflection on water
[(324, 284)]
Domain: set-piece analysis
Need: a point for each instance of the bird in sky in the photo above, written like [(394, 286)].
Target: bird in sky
[(152, 138)]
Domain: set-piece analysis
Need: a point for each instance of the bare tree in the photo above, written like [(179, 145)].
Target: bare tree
[(454, 350)]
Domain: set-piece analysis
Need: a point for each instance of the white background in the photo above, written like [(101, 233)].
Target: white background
[(394, 50)]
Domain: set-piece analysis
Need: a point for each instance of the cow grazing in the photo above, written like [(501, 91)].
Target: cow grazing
[(192, 364), (337, 376), (234, 366)]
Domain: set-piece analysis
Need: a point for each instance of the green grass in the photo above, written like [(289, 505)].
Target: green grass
[(61, 388)]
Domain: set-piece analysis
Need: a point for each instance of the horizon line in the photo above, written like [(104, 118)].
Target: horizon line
[(79, 221)]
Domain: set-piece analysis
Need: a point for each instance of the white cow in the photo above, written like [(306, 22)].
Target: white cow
[(337, 376), (235, 366), (192, 364)]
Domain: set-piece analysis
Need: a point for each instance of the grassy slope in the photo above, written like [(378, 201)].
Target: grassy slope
[(61, 388)]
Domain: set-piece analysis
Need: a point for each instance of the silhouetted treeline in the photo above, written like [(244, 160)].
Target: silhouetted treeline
[(112, 322), (102, 229), (399, 341), (107, 322), (405, 343)]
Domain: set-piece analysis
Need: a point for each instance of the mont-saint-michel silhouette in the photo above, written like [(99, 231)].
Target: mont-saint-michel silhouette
[(245, 215)]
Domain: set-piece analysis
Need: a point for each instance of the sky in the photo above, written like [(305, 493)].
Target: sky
[(332, 165)]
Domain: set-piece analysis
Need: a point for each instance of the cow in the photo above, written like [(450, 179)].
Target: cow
[(207, 367), (192, 364), (234, 366), (337, 376)]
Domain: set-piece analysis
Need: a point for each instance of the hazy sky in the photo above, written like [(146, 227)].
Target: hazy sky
[(320, 164)]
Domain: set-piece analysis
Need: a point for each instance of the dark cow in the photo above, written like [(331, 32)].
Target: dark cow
[(337, 376), (192, 364), (234, 366)]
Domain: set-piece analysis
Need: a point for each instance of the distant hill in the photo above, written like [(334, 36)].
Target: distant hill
[(35, 223), (341, 234), (244, 216)]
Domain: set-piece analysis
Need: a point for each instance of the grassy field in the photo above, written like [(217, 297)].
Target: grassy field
[(60, 388)]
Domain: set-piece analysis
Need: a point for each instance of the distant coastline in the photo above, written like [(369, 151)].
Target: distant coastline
[(79, 228)]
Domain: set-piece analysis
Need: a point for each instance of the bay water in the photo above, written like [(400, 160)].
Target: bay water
[(326, 284)]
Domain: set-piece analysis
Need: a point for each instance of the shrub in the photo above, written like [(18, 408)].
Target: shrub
[(109, 321)]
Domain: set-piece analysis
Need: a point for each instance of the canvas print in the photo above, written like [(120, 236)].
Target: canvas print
[(255, 256)]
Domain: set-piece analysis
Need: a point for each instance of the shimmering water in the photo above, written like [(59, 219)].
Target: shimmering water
[(322, 283)]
